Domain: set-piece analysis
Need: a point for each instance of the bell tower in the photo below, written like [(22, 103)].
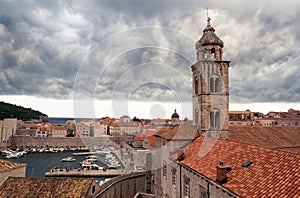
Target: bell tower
[(210, 85)]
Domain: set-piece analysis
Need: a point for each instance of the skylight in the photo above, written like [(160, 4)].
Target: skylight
[(246, 164)]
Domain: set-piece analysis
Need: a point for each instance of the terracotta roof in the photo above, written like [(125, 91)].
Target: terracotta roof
[(45, 187), (151, 140), (186, 130), (272, 118), (272, 174), (138, 138), (239, 112), (209, 37), (284, 138), (7, 165)]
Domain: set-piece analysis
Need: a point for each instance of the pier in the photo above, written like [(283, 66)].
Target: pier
[(85, 153), (85, 173)]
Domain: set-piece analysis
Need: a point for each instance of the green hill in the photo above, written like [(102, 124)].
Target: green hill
[(13, 111)]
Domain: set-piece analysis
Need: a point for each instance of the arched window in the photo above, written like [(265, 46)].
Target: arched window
[(196, 117), (214, 85), (196, 85), (217, 85), (211, 85), (213, 53), (212, 120), (205, 54), (215, 120)]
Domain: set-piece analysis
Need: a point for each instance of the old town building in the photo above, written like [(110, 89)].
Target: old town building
[(210, 84), (211, 165), (8, 128)]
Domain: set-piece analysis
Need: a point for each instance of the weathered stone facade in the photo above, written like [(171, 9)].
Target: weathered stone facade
[(66, 142), (7, 129), (11, 169), (178, 180), (125, 186), (210, 85)]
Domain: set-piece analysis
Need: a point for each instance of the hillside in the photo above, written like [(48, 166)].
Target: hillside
[(13, 111)]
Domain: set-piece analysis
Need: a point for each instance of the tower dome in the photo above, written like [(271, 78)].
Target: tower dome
[(209, 37), (175, 115), (209, 46)]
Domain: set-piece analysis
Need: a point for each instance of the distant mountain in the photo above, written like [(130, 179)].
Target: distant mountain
[(13, 111)]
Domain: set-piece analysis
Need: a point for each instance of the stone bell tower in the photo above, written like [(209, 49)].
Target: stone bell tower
[(210, 85)]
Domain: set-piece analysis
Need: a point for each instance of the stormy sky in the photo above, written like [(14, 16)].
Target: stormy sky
[(142, 50)]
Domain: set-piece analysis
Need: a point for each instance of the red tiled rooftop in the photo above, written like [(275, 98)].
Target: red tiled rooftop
[(272, 174), (45, 187), (138, 138), (7, 165), (151, 140), (286, 138)]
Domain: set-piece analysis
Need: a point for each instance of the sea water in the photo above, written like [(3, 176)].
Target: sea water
[(40, 163)]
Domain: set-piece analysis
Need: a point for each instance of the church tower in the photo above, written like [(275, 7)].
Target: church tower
[(210, 85)]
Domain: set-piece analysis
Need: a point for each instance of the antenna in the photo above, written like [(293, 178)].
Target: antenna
[(207, 11)]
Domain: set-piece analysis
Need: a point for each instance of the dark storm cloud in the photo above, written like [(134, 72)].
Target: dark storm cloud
[(44, 44)]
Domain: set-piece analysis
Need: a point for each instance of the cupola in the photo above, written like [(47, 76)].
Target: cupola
[(209, 46)]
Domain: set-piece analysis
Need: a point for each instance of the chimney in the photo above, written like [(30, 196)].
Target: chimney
[(222, 173)]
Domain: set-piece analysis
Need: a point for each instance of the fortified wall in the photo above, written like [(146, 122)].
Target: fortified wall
[(65, 142), (131, 184)]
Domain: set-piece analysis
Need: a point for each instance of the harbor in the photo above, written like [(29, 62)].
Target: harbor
[(85, 173)]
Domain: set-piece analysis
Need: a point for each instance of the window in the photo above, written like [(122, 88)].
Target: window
[(196, 85), (212, 119), (205, 54), (215, 119), (93, 189), (211, 85), (186, 187), (214, 85), (174, 177), (165, 171), (213, 53), (202, 193), (217, 86)]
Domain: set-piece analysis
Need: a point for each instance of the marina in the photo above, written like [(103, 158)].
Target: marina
[(85, 173), (99, 164)]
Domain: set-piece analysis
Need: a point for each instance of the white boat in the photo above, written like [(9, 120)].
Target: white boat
[(87, 165), (13, 154), (68, 159), (91, 158)]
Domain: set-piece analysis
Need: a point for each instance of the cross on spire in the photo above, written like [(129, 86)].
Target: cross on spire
[(208, 21)]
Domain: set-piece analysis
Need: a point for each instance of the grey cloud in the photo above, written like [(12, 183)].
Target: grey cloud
[(45, 46)]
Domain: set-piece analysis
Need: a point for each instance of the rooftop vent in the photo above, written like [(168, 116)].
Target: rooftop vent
[(246, 164)]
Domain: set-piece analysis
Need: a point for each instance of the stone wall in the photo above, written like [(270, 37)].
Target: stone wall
[(125, 186), (65, 142), (199, 186), (17, 172)]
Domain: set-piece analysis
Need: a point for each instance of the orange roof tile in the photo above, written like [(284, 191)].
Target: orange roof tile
[(183, 131), (138, 138), (151, 140), (285, 138), (7, 165), (45, 187), (272, 171)]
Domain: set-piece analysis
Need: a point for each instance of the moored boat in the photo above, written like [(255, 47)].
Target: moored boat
[(68, 159)]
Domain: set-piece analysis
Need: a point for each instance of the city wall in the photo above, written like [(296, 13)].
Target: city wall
[(131, 184), (65, 142)]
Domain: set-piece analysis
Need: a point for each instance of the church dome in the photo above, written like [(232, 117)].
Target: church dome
[(209, 37), (175, 115)]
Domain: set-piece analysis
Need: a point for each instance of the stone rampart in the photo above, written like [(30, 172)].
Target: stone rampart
[(65, 142)]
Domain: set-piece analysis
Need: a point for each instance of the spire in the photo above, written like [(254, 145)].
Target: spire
[(208, 22)]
